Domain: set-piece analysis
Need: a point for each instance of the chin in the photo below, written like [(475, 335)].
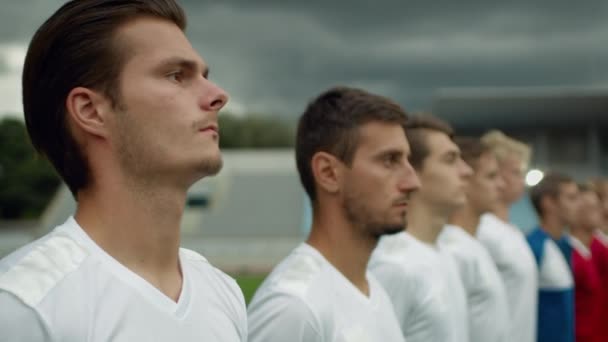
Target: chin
[(210, 165)]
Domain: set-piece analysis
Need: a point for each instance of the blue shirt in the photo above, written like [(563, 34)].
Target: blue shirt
[(556, 287)]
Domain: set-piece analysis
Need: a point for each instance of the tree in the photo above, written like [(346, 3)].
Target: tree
[(27, 181), (254, 131)]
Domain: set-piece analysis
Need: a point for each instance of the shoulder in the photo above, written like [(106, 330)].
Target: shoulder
[(393, 252), (293, 303), (298, 274), (297, 284), (458, 242), (31, 272), (402, 258), (554, 272), (284, 317), (20, 322), (200, 264), (492, 230)]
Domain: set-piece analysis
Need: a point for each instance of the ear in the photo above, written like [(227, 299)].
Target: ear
[(327, 173), (87, 110)]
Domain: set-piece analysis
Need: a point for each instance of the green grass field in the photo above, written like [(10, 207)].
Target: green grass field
[(248, 284)]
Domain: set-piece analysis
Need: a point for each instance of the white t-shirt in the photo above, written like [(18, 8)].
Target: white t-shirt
[(486, 296), (306, 299), (423, 284), (64, 287), (513, 257)]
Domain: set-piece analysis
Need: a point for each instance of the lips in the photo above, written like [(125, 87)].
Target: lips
[(210, 128), (401, 204)]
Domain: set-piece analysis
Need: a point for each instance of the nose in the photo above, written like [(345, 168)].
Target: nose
[(409, 181), (465, 170), (213, 97), (500, 183)]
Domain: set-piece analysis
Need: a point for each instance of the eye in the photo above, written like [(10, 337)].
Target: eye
[(176, 76), (391, 159)]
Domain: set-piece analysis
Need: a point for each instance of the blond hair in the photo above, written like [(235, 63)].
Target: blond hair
[(504, 146)]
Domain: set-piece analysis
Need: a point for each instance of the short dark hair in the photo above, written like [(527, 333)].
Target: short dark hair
[(76, 47), (471, 149), (417, 129), (330, 124), (548, 186)]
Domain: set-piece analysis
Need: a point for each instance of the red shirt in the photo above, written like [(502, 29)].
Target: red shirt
[(599, 253), (587, 295)]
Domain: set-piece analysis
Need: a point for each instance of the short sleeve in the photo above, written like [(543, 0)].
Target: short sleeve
[(283, 318), (19, 322)]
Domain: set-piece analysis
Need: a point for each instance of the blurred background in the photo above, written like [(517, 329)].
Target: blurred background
[(536, 71)]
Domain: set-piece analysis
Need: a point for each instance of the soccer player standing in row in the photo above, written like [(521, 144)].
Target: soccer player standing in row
[(420, 277), (352, 157), (120, 102), (599, 249), (555, 199), (588, 293), (486, 296), (506, 243)]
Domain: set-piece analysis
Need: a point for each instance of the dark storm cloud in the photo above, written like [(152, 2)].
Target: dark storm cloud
[(279, 54), (274, 56)]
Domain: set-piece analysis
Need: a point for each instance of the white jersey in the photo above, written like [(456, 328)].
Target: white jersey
[(64, 287), (306, 299), (423, 284), (486, 296), (513, 257)]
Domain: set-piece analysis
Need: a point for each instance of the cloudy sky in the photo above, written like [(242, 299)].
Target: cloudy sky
[(274, 56)]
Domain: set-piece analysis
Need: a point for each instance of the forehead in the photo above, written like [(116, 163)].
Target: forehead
[(374, 136), (513, 161), (569, 188), (486, 163), (148, 41), (590, 197), (439, 143)]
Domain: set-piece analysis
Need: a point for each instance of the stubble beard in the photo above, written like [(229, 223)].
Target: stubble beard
[(364, 221), (141, 162)]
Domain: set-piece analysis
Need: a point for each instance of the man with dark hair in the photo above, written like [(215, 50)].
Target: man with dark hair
[(588, 292), (352, 157), (120, 102), (420, 277), (486, 296), (506, 243), (555, 199)]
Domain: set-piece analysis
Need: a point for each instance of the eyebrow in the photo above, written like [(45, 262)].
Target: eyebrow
[(184, 63), (451, 153), (392, 151)]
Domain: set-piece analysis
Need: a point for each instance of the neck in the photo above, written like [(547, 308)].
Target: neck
[(553, 227), (139, 226), (502, 211), (583, 235), (467, 218), (424, 223), (343, 245)]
